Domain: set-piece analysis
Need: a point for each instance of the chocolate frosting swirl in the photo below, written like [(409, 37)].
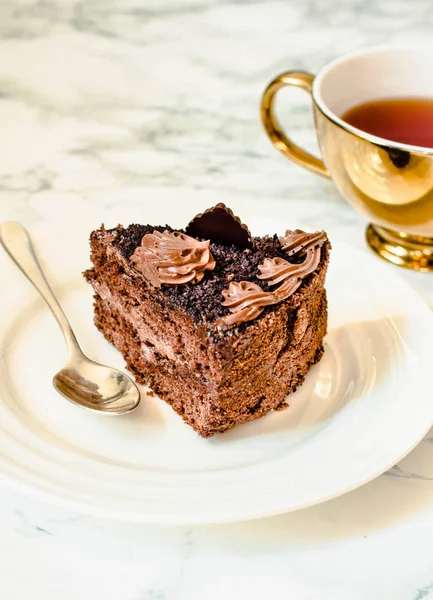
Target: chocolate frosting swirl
[(172, 258), (295, 276), (277, 269), (296, 241), (246, 300)]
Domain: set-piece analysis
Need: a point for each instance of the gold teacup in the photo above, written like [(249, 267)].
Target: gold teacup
[(390, 183)]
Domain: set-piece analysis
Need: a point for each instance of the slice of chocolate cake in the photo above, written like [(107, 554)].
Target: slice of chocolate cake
[(220, 325)]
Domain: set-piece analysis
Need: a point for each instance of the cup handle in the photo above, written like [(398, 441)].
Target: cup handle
[(277, 136)]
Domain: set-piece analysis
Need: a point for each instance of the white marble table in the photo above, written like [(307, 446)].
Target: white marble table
[(114, 104)]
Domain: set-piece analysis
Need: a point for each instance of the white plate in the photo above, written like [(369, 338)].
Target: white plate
[(362, 408)]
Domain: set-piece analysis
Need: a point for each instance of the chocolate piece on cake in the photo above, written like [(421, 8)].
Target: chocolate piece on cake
[(223, 329), (219, 224)]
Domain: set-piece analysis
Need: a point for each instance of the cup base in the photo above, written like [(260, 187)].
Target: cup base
[(410, 251)]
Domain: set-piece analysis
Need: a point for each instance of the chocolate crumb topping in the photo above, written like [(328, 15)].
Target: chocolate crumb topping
[(203, 300)]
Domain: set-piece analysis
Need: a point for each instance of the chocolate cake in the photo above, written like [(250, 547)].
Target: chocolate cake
[(221, 325)]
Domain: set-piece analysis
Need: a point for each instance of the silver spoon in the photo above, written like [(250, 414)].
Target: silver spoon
[(87, 383)]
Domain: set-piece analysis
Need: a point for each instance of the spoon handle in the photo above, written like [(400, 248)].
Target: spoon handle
[(17, 243)]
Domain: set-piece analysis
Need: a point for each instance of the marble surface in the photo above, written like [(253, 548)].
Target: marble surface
[(116, 104)]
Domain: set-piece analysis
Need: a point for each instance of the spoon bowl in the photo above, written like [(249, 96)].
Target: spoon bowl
[(83, 381), (97, 387)]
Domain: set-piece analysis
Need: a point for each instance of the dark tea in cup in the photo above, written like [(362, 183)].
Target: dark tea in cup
[(403, 120)]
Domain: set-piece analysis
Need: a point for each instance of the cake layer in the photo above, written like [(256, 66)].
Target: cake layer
[(214, 411)]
